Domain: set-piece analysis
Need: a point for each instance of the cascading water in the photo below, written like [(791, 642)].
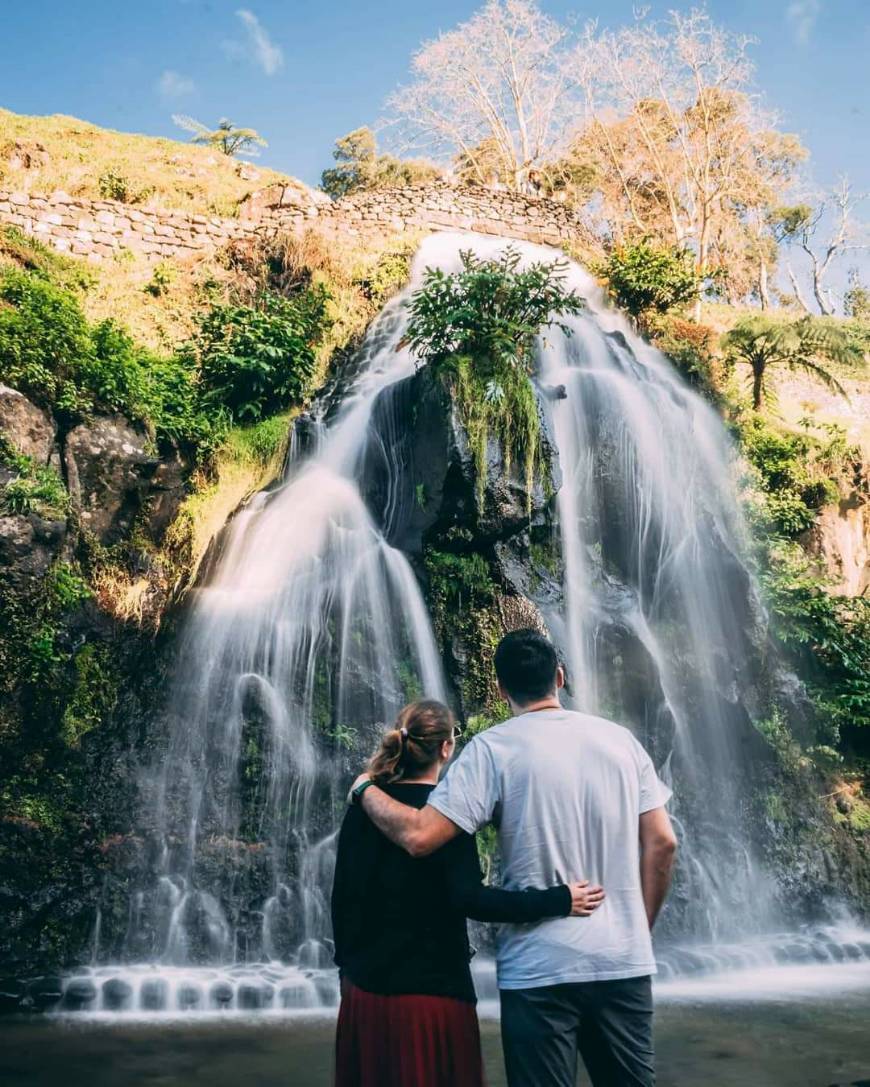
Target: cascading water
[(310, 627)]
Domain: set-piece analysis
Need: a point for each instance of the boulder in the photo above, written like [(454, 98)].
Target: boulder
[(28, 546), (26, 155), (28, 428), (109, 471)]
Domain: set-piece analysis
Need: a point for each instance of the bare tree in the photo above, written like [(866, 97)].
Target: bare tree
[(829, 232), (495, 92), (681, 145)]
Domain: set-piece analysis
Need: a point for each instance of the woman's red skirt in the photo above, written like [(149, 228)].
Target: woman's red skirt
[(406, 1041)]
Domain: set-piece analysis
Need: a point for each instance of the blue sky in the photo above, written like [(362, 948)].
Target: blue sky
[(306, 71)]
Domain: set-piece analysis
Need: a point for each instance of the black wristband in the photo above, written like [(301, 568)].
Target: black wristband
[(356, 794)]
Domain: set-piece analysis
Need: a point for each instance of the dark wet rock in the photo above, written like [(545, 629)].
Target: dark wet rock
[(221, 994), (189, 997), (153, 995), (26, 427), (109, 471), (45, 993), (253, 997), (117, 994), (28, 547), (79, 994), (12, 994)]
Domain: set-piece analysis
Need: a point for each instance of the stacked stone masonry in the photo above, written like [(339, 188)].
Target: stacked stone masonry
[(100, 229)]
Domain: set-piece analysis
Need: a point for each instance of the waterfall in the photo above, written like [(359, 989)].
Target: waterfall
[(308, 631)]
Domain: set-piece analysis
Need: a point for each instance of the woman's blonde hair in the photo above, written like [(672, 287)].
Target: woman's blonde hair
[(413, 744)]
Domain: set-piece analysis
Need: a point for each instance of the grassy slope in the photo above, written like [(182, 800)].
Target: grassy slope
[(161, 173)]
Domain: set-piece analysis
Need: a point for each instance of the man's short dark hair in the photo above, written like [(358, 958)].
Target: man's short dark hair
[(526, 664)]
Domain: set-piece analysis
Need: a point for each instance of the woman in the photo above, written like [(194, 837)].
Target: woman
[(407, 1016)]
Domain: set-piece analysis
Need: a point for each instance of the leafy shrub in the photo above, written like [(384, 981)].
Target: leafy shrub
[(478, 326), (359, 166), (827, 636), (689, 346), (643, 278), (254, 361), (161, 279), (114, 186), (389, 275), (50, 352), (44, 339), (795, 471), (34, 488)]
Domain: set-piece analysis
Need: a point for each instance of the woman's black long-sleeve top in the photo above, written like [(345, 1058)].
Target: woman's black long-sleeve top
[(399, 922)]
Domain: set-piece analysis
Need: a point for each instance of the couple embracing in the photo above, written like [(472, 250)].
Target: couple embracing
[(586, 849)]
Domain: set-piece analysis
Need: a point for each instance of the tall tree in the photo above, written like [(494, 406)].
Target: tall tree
[(683, 151), (358, 165), (495, 91), (828, 232), (226, 138), (763, 343)]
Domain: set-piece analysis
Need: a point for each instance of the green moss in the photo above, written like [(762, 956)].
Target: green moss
[(260, 444), (388, 276), (461, 594), (94, 695), (497, 403), (34, 488)]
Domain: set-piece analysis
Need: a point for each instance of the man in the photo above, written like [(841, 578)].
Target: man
[(572, 796)]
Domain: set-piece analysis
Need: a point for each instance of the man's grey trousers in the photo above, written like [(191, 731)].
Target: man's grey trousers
[(607, 1023)]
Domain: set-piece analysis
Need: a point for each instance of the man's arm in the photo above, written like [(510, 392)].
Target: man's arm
[(658, 847), (417, 831)]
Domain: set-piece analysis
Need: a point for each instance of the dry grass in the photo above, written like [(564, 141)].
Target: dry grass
[(160, 172)]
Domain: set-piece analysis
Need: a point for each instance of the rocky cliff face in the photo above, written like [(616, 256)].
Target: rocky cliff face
[(79, 506)]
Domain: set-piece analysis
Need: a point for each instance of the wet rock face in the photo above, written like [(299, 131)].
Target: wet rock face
[(108, 472), (28, 546), (26, 427), (840, 540)]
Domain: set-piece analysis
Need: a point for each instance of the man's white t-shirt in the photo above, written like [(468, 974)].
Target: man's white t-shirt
[(565, 791)]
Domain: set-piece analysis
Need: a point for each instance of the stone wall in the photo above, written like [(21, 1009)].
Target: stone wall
[(434, 206), (97, 229)]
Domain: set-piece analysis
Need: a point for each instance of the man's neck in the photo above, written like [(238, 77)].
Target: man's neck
[(551, 703)]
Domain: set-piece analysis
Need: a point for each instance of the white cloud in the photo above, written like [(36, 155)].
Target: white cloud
[(802, 16), (172, 86), (258, 46)]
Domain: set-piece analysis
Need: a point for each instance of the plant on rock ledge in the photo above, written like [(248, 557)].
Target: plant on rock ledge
[(478, 326)]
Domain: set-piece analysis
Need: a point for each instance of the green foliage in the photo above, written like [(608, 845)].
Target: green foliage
[(827, 636), (644, 278), (359, 167), (461, 594), (50, 352), (114, 186), (34, 488), (161, 279), (257, 360), (260, 443), (94, 694), (388, 277), (25, 252), (689, 346), (856, 300), (478, 326), (795, 471), (45, 341), (763, 342)]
